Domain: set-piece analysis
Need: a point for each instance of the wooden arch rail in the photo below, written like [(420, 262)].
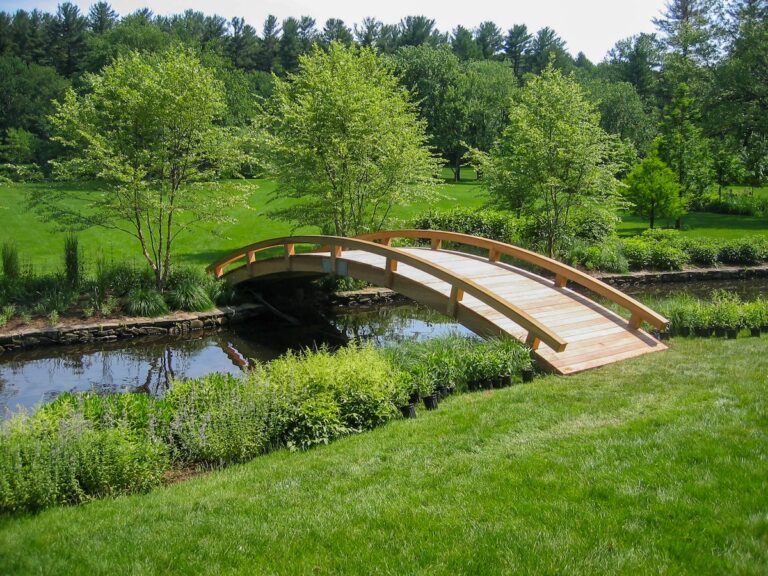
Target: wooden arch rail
[(336, 245), (563, 273)]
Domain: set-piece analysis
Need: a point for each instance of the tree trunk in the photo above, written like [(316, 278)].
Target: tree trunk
[(457, 170), (652, 216)]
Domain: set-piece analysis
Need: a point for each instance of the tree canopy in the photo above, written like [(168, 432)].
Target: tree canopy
[(343, 137), (147, 130)]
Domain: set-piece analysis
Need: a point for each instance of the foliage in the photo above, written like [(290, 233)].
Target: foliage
[(606, 256), (148, 130), (51, 459), (491, 224), (10, 258), (72, 266), (553, 157), (145, 302), (345, 140), (653, 190)]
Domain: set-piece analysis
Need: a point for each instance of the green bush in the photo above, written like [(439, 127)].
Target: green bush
[(72, 265), (607, 256), (491, 224), (145, 302), (667, 257), (744, 251), (66, 459), (638, 253), (701, 251)]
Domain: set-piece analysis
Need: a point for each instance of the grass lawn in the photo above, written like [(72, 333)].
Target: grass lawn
[(655, 465), (722, 226), (41, 245)]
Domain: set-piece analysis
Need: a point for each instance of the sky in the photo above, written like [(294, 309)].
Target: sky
[(589, 26)]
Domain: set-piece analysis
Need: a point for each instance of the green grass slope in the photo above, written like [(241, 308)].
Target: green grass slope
[(656, 465), (41, 245)]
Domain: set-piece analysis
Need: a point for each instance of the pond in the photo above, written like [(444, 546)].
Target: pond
[(151, 364)]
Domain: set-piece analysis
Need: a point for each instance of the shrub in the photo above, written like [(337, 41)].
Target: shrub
[(66, 459), (667, 257), (120, 278), (189, 296), (638, 253), (485, 223), (701, 251), (746, 251), (221, 419), (145, 302), (10, 258), (595, 226), (607, 256)]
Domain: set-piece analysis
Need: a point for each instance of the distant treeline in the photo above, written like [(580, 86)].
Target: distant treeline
[(703, 74)]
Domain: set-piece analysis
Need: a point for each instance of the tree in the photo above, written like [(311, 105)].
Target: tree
[(547, 47), (290, 45), (488, 87), (464, 45), (683, 147), (242, 47), (270, 44), (489, 39), (516, 46), (67, 39), (434, 76), (368, 32), (552, 159), (653, 189), (418, 30), (147, 130), (344, 139), (101, 18), (336, 31), (637, 60)]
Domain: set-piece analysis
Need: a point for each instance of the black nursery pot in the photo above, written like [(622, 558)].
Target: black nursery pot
[(732, 333), (414, 397), (430, 402), (702, 332), (408, 411), (720, 332), (755, 332), (684, 331), (527, 374), (451, 389), (506, 381), (442, 391), (488, 384), (498, 382)]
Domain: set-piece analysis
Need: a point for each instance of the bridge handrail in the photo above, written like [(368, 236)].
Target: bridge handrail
[(563, 272), (459, 284)]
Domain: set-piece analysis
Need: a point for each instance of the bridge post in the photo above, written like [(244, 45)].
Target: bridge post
[(493, 255), (437, 244), (251, 262), (335, 253), (532, 341), (290, 250), (389, 272), (635, 321), (457, 295), (560, 281)]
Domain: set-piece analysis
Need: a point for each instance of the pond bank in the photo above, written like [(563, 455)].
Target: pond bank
[(174, 324), (690, 275)]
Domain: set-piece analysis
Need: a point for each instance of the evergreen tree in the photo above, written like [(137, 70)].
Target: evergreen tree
[(464, 45), (489, 40), (290, 45), (336, 31), (368, 32), (516, 46), (270, 45), (243, 45), (67, 39), (101, 18)]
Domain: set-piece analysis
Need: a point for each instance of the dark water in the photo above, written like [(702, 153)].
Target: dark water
[(150, 364)]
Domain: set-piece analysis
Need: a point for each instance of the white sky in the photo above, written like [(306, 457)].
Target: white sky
[(589, 26)]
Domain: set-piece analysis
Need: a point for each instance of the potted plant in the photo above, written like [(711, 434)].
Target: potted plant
[(753, 317), (701, 320)]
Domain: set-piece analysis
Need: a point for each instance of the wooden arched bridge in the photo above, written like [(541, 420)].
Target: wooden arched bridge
[(568, 331)]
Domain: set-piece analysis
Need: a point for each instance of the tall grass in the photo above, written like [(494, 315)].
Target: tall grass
[(10, 259)]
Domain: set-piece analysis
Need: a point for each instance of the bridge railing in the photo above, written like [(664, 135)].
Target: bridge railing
[(639, 313), (460, 285)]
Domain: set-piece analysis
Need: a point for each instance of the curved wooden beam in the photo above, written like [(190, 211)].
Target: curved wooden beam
[(563, 273), (459, 284)]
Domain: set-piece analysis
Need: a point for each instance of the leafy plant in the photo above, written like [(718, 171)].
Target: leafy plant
[(189, 296), (145, 302), (72, 264), (10, 258)]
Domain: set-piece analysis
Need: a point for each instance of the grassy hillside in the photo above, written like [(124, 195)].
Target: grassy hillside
[(655, 465), (41, 244)]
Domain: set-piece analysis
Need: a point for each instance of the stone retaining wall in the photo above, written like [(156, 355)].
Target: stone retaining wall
[(172, 325)]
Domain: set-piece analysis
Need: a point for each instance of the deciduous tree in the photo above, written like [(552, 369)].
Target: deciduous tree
[(653, 190), (345, 140)]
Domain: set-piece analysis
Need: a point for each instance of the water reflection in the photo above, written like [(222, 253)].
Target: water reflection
[(151, 364)]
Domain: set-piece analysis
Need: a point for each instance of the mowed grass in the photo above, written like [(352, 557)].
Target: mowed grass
[(41, 245), (701, 224), (657, 465)]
